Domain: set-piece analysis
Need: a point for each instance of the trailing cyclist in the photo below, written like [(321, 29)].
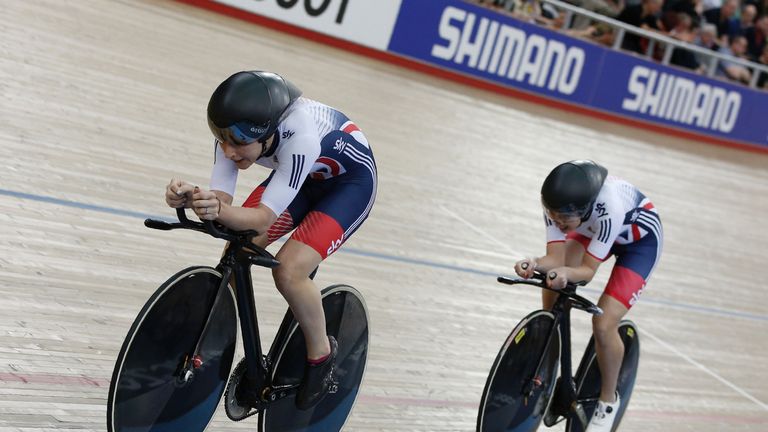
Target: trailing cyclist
[(590, 216), (323, 185)]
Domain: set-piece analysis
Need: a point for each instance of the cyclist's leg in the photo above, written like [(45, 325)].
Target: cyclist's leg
[(634, 264), (608, 344), (341, 205), (297, 261), (289, 280), (291, 276)]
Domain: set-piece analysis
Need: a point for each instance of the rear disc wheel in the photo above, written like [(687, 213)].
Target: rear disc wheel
[(588, 379), (346, 317)]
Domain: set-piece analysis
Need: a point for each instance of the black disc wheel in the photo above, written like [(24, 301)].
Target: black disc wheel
[(173, 365), (346, 319), (519, 387), (588, 376)]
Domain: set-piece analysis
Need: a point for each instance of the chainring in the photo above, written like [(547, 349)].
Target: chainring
[(236, 409)]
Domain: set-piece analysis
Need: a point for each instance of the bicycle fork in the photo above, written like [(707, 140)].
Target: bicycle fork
[(536, 380), (185, 372)]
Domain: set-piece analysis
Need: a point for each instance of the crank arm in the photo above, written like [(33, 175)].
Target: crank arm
[(578, 409), (275, 393)]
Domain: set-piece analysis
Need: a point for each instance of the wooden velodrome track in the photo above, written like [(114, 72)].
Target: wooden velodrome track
[(104, 101)]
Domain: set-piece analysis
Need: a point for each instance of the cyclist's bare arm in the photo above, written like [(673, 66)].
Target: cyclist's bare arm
[(555, 257), (585, 272), (258, 219)]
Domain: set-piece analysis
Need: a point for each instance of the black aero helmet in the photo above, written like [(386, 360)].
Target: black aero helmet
[(247, 106), (572, 188)]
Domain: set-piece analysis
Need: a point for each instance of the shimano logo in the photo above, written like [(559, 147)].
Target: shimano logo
[(682, 100), (508, 52)]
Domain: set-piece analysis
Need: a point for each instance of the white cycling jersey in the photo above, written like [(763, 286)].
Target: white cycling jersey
[(312, 141), (621, 214)]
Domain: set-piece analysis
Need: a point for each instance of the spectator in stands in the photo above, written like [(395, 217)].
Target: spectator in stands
[(506, 5), (672, 8), (551, 16), (600, 33), (732, 70), (711, 4), (707, 39), (756, 37), (532, 11), (526, 10), (725, 19), (683, 31), (747, 20), (645, 16), (609, 8), (762, 7), (762, 81)]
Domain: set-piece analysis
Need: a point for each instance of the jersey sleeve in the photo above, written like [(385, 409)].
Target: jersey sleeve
[(553, 232), (224, 173), (297, 154), (607, 225)]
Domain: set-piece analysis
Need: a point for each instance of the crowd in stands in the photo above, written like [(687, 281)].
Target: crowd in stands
[(738, 28)]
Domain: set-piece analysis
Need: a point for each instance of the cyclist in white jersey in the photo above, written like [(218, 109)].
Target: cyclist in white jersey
[(323, 185), (590, 216)]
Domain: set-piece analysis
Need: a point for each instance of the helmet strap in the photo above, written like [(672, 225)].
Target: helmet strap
[(263, 147)]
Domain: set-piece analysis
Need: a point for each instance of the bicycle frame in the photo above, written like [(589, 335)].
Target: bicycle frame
[(234, 267), (565, 396), (267, 378), (566, 391), (235, 259)]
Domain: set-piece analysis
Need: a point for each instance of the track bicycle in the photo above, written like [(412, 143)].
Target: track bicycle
[(523, 388), (175, 362)]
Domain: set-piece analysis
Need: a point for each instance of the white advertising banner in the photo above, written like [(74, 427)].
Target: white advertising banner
[(365, 22)]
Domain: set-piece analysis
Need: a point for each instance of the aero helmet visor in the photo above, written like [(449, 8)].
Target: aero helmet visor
[(241, 133)]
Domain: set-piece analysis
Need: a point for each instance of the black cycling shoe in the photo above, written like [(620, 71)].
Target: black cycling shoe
[(317, 379)]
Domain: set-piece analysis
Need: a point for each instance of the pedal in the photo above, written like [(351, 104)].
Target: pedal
[(275, 393)]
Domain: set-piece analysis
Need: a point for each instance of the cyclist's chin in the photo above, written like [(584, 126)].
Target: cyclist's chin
[(243, 164)]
